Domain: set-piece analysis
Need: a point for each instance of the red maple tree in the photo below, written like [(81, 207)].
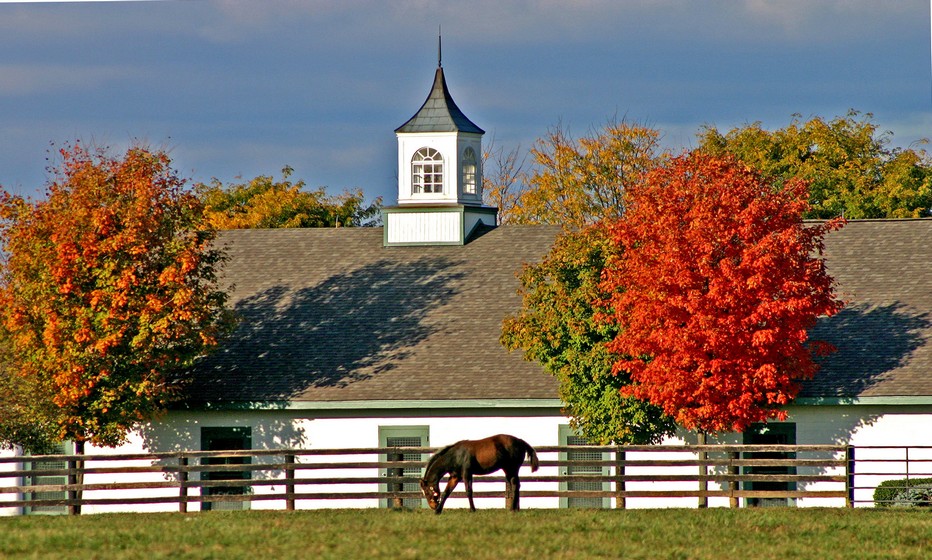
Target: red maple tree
[(716, 285)]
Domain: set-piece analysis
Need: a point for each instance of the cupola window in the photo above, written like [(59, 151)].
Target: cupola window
[(470, 171), (427, 171)]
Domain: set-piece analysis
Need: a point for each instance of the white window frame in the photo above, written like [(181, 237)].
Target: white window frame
[(470, 172), (427, 171)]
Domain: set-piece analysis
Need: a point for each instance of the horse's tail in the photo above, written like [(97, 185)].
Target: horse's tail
[(535, 464)]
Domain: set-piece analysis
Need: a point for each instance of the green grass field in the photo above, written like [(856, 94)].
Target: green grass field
[(493, 534)]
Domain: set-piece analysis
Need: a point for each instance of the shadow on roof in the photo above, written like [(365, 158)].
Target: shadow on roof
[(346, 329), (871, 342)]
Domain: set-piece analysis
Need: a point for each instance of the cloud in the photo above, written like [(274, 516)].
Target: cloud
[(33, 79), (372, 22), (566, 21), (67, 19), (829, 20)]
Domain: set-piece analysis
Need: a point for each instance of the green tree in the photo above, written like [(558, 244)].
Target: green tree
[(559, 327), (28, 417), (265, 203), (850, 167), (110, 288)]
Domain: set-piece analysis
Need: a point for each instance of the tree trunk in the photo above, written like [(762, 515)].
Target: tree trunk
[(703, 472)]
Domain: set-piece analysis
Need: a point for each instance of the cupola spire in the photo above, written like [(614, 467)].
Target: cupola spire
[(439, 112), (439, 174)]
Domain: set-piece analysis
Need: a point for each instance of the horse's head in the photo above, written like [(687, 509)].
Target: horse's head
[(431, 492)]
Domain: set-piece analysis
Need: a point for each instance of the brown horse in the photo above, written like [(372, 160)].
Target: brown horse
[(466, 458)]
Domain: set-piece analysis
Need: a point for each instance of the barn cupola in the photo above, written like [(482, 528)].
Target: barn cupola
[(439, 175)]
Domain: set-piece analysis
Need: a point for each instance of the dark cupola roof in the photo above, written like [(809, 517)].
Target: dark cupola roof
[(439, 112)]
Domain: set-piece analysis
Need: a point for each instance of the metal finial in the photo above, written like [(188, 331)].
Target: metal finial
[(439, 47)]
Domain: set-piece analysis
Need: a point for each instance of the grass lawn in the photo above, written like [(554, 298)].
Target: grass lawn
[(494, 534)]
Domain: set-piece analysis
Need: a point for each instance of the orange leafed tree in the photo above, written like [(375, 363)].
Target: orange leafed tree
[(109, 288), (716, 284)]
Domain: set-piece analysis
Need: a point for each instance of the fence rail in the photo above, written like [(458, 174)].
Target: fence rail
[(576, 475)]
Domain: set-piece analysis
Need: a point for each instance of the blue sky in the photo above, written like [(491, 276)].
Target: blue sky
[(240, 88)]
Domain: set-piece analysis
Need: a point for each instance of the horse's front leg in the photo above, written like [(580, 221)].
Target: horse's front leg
[(451, 484)]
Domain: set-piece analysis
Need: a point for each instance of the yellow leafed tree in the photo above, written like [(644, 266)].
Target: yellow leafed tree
[(266, 203), (575, 182), (847, 161)]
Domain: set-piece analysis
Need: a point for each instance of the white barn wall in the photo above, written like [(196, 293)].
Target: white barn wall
[(866, 425), (859, 425), (5, 468), (363, 432), (281, 429)]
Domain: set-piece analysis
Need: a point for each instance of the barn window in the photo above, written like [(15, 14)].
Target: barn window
[(470, 171), (403, 436), (427, 171)]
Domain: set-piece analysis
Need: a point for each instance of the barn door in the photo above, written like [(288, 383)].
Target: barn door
[(775, 433), (402, 436), (225, 439), (569, 438), (66, 448)]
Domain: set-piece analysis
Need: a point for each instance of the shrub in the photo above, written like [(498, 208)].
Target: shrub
[(904, 492)]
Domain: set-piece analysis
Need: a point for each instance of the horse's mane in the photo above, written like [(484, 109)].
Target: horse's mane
[(437, 456)]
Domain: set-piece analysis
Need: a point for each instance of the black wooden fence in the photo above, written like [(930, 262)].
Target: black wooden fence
[(570, 476)]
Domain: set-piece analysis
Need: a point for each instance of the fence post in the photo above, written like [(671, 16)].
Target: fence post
[(849, 476), (289, 482), (907, 465), (74, 508), (619, 478), (733, 484), (183, 484), (703, 473)]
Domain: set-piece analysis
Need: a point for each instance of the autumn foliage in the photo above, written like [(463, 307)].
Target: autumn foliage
[(573, 182), (847, 161), (714, 285), (265, 203), (28, 417), (110, 286), (557, 326)]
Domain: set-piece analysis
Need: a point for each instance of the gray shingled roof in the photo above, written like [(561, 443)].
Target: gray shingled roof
[(884, 335), (439, 112), (332, 315)]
